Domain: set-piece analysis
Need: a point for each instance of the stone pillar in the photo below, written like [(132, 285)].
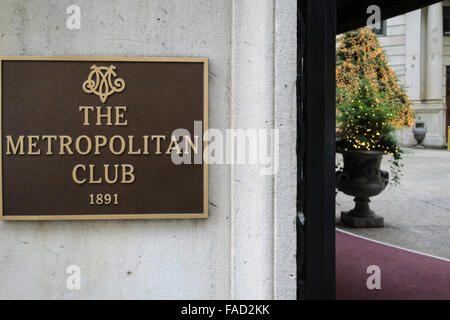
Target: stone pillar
[(252, 102), (263, 211), (413, 55), (434, 75)]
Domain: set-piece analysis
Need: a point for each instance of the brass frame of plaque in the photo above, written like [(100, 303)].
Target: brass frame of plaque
[(110, 216)]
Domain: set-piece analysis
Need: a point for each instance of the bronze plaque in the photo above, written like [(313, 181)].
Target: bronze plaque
[(93, 138)]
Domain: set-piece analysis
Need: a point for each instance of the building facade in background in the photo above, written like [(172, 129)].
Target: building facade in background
[(417, 45)]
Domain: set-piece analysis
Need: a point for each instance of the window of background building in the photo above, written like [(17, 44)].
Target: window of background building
[(446, 20)]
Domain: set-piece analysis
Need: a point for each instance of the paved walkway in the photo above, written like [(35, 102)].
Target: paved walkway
[(416, 212), (404, 275)]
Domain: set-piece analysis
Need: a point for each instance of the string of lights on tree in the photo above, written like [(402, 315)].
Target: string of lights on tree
[(370, 103)]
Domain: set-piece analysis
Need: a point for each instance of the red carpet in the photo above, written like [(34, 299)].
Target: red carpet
[(404, 274)]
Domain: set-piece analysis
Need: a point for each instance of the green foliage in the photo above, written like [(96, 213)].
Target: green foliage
[(370, 104), (364, 123), (360, 57)]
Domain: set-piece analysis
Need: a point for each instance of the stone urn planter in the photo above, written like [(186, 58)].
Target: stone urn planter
[(362, 178), (419, 132)]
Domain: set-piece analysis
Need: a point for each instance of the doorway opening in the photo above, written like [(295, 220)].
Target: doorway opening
[(399, 248)]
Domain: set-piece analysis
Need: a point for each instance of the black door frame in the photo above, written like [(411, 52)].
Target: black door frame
[(447, 100), (316, 32), (316, 38)]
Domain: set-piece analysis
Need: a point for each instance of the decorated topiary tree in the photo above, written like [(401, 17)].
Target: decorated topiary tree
[(370, 103), (360, 57)]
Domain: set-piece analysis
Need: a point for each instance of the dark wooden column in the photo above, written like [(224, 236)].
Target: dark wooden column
[(316, 148)]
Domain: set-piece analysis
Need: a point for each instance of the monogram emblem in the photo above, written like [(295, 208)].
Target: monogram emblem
[(102, 81)]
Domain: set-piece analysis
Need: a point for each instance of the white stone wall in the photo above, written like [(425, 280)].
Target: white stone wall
[(413, 53), (246, 248), (446, 58), (394, 45)]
